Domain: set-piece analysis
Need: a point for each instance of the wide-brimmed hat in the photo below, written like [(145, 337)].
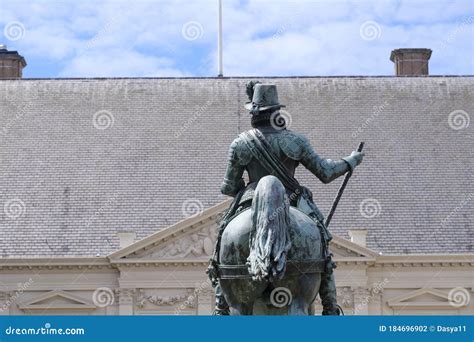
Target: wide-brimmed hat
[(263, 97)]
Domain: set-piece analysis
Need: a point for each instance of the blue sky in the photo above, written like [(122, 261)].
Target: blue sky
[(153, 38)]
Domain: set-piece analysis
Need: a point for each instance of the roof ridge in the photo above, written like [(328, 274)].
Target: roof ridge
[(234, 77)]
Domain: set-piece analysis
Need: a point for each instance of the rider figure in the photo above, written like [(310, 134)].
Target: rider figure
[(291, 149)]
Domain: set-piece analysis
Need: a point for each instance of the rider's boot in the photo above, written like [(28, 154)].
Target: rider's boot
[(222, 308), (327, 293)]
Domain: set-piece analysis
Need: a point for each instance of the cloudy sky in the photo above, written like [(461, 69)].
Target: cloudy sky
[(133, 38)]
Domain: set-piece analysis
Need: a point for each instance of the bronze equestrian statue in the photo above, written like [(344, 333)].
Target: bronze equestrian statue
[(272, 253)]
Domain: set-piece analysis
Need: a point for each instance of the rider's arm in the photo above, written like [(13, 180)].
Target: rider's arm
[(233, 180), (327, 170)]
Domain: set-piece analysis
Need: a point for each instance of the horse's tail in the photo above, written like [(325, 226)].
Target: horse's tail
[(269, 238)]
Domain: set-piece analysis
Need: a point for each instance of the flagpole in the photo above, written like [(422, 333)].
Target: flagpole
[(220, 72)]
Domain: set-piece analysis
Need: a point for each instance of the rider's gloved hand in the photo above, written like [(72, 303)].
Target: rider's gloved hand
[(357, 156), (354, 159)]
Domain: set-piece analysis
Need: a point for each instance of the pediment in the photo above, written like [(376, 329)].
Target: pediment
[(194, 244), (57, 300), (194, 238), (345, 249), (421, 298)]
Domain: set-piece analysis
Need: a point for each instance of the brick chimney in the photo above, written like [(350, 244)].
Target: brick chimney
[(411, 62), (11, 63)]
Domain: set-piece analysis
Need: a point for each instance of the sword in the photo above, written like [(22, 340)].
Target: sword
[(341, 190)]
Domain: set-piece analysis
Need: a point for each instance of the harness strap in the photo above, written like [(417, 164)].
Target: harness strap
[(263, 152), (213, 268), (292, 267)]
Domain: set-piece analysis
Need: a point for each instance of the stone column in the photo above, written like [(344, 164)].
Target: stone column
[(205, 302), (361, 301), (345, 298), (377, 304), (4, 303), (125, 301)]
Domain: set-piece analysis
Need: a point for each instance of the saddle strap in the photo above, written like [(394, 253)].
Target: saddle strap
[(292, 267)]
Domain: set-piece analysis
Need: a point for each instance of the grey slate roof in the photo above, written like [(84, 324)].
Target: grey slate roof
[(76, 186)]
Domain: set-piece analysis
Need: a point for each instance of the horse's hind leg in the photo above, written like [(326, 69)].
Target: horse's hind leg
[(241, 294), (243, 309), (302, 303), (298, 307)]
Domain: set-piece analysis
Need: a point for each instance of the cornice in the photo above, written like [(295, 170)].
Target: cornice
[(84, 263), (65, 263), (423, 260)]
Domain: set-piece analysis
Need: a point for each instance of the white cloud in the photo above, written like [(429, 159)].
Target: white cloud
[(261, 37), (119, 63)]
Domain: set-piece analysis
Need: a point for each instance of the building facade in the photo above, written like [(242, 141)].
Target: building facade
[(110, 188), (164, 274)]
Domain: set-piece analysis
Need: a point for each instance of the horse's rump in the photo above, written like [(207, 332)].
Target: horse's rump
[(270, 246), (302, 230)]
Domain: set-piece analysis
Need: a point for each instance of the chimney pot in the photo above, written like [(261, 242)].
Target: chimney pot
[(358, 236), (11, 63), (411, 62), (126, 238)]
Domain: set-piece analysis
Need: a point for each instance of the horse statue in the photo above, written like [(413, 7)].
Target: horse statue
[(271, 255)]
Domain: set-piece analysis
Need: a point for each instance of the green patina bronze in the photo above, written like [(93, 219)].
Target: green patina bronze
[(272, 253)]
